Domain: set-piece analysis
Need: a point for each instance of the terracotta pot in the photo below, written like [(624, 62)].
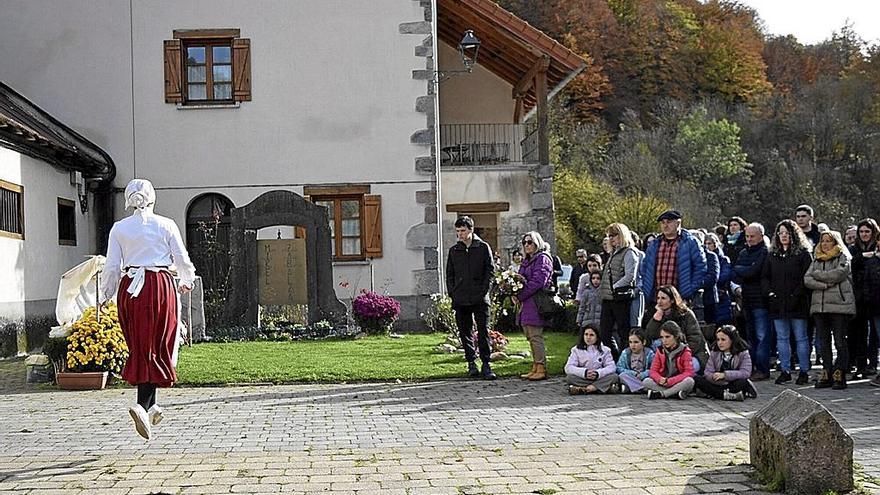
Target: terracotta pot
[(90, 380)]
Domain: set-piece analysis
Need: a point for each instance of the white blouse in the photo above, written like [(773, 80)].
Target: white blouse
[(145, 241)]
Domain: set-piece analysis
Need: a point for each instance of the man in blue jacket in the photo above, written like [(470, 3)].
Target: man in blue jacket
[(674, 258), (747, 273)]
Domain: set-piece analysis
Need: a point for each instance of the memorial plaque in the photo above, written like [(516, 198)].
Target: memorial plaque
[(282, 275)]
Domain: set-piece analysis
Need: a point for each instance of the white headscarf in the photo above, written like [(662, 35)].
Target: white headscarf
[(140, 194)]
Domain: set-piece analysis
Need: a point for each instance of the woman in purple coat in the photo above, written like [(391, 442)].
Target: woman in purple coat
[(536, 269)]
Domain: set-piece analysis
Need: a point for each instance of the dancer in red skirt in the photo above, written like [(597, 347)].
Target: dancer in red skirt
[(142, 251)]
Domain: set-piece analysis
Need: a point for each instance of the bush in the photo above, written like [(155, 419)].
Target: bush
[(440, 316), (96, 342), (55, 348), (375, 313)]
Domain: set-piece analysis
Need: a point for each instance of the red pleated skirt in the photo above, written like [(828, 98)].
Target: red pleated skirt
[(149, 324)]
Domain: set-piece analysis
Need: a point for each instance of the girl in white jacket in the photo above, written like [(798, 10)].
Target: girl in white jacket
[(590, 367)]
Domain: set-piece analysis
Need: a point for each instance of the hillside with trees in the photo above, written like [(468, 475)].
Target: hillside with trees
[(694, 105)]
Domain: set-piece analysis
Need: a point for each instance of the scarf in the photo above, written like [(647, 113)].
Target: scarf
[(732, 238), (827, 256)]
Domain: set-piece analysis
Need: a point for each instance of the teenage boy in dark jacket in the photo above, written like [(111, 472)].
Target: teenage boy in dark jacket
[(468, 273)]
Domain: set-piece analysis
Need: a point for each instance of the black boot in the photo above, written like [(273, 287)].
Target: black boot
[(487, 372), (783, 377), (839, 380), (472, 370), (802, 378), (824, 380)]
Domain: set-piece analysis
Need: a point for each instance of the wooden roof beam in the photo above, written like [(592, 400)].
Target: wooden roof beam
[(525, 83)]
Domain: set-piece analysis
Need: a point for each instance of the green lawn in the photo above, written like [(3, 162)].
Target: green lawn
[(411, 358)]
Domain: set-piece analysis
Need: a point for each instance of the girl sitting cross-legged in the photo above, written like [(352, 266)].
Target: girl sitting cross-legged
[(672, 370), (634, 363), (590, 367), (729, 367)]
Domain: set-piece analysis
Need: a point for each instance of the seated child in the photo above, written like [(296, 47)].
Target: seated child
[(634, 363), (590, 367), (672, 370), (728, 369)]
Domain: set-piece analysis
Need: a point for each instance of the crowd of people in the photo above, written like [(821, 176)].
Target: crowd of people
[(703, 311)]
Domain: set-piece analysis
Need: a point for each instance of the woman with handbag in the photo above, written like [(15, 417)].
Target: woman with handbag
[(618, 288), (537, 270)]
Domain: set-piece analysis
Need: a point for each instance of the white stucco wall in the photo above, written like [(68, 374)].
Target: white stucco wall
[(31, 268), (480, 97), (333, 101)]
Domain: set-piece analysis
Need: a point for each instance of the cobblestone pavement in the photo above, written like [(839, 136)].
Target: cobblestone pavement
[(445, 437)]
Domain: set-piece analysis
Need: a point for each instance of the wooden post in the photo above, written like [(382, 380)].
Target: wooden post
[(543, 131)]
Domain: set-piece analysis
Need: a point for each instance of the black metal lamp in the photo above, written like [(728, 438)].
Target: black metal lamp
[(469, 49)]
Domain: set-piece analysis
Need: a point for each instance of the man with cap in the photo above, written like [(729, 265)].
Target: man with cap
[(674, 258)]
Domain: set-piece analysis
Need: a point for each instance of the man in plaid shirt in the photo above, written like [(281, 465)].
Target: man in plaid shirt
[(673, 258)]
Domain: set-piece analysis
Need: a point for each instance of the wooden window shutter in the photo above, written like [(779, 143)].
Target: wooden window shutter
[(173, 71), (241, 69), (373, 226)]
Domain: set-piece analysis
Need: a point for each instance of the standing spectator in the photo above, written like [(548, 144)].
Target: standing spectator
[(747, 273), (736, 238), (468, 275), (867, 292), (672, 370), (722, 313), (557, 272), (590, 306), (516, 258), (670, 306), (579, 268), (788, 300), (833, 304), (649, 238), (675, 258), (590, 367), (729, 367), (710, 283), (803, 215), (850, 235), (637, 308), (606, 249), (617, 289), (537, 270)]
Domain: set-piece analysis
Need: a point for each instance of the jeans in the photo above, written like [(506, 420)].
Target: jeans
[(759, 321), (464, 318), (784, 327), (716, 390)]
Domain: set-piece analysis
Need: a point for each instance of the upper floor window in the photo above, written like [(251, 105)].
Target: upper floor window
[(207, 66), (11, 210)]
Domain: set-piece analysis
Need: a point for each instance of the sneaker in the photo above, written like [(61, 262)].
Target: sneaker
[(614, 389), (783, 377), (682, 395), (487, 372), (802, 379), (738, 396), (472, 371), (141, 420), (653, 394), (155, 414), (575, 390), (750, 392), (875, 381), (624, 389)]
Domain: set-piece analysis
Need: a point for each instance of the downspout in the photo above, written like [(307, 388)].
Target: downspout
[(441, 261)]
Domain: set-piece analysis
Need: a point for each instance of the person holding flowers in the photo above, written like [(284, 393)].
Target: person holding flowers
[(537, 270), (140, 254)]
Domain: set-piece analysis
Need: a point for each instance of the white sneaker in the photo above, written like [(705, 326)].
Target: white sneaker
[(155, 414), (141, 420), (737, 396)]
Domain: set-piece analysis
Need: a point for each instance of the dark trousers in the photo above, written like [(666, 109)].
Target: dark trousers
[(857, 339), (146, 395), (715, 390), (872, 345), (614, 325), (464, 318), (830, 325)]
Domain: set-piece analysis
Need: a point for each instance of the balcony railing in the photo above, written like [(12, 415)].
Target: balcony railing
[(488, 144)]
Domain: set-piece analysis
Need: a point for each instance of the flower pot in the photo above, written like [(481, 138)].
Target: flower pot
[(90, 380)]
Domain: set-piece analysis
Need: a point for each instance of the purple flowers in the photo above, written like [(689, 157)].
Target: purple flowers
[(374, 312)]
